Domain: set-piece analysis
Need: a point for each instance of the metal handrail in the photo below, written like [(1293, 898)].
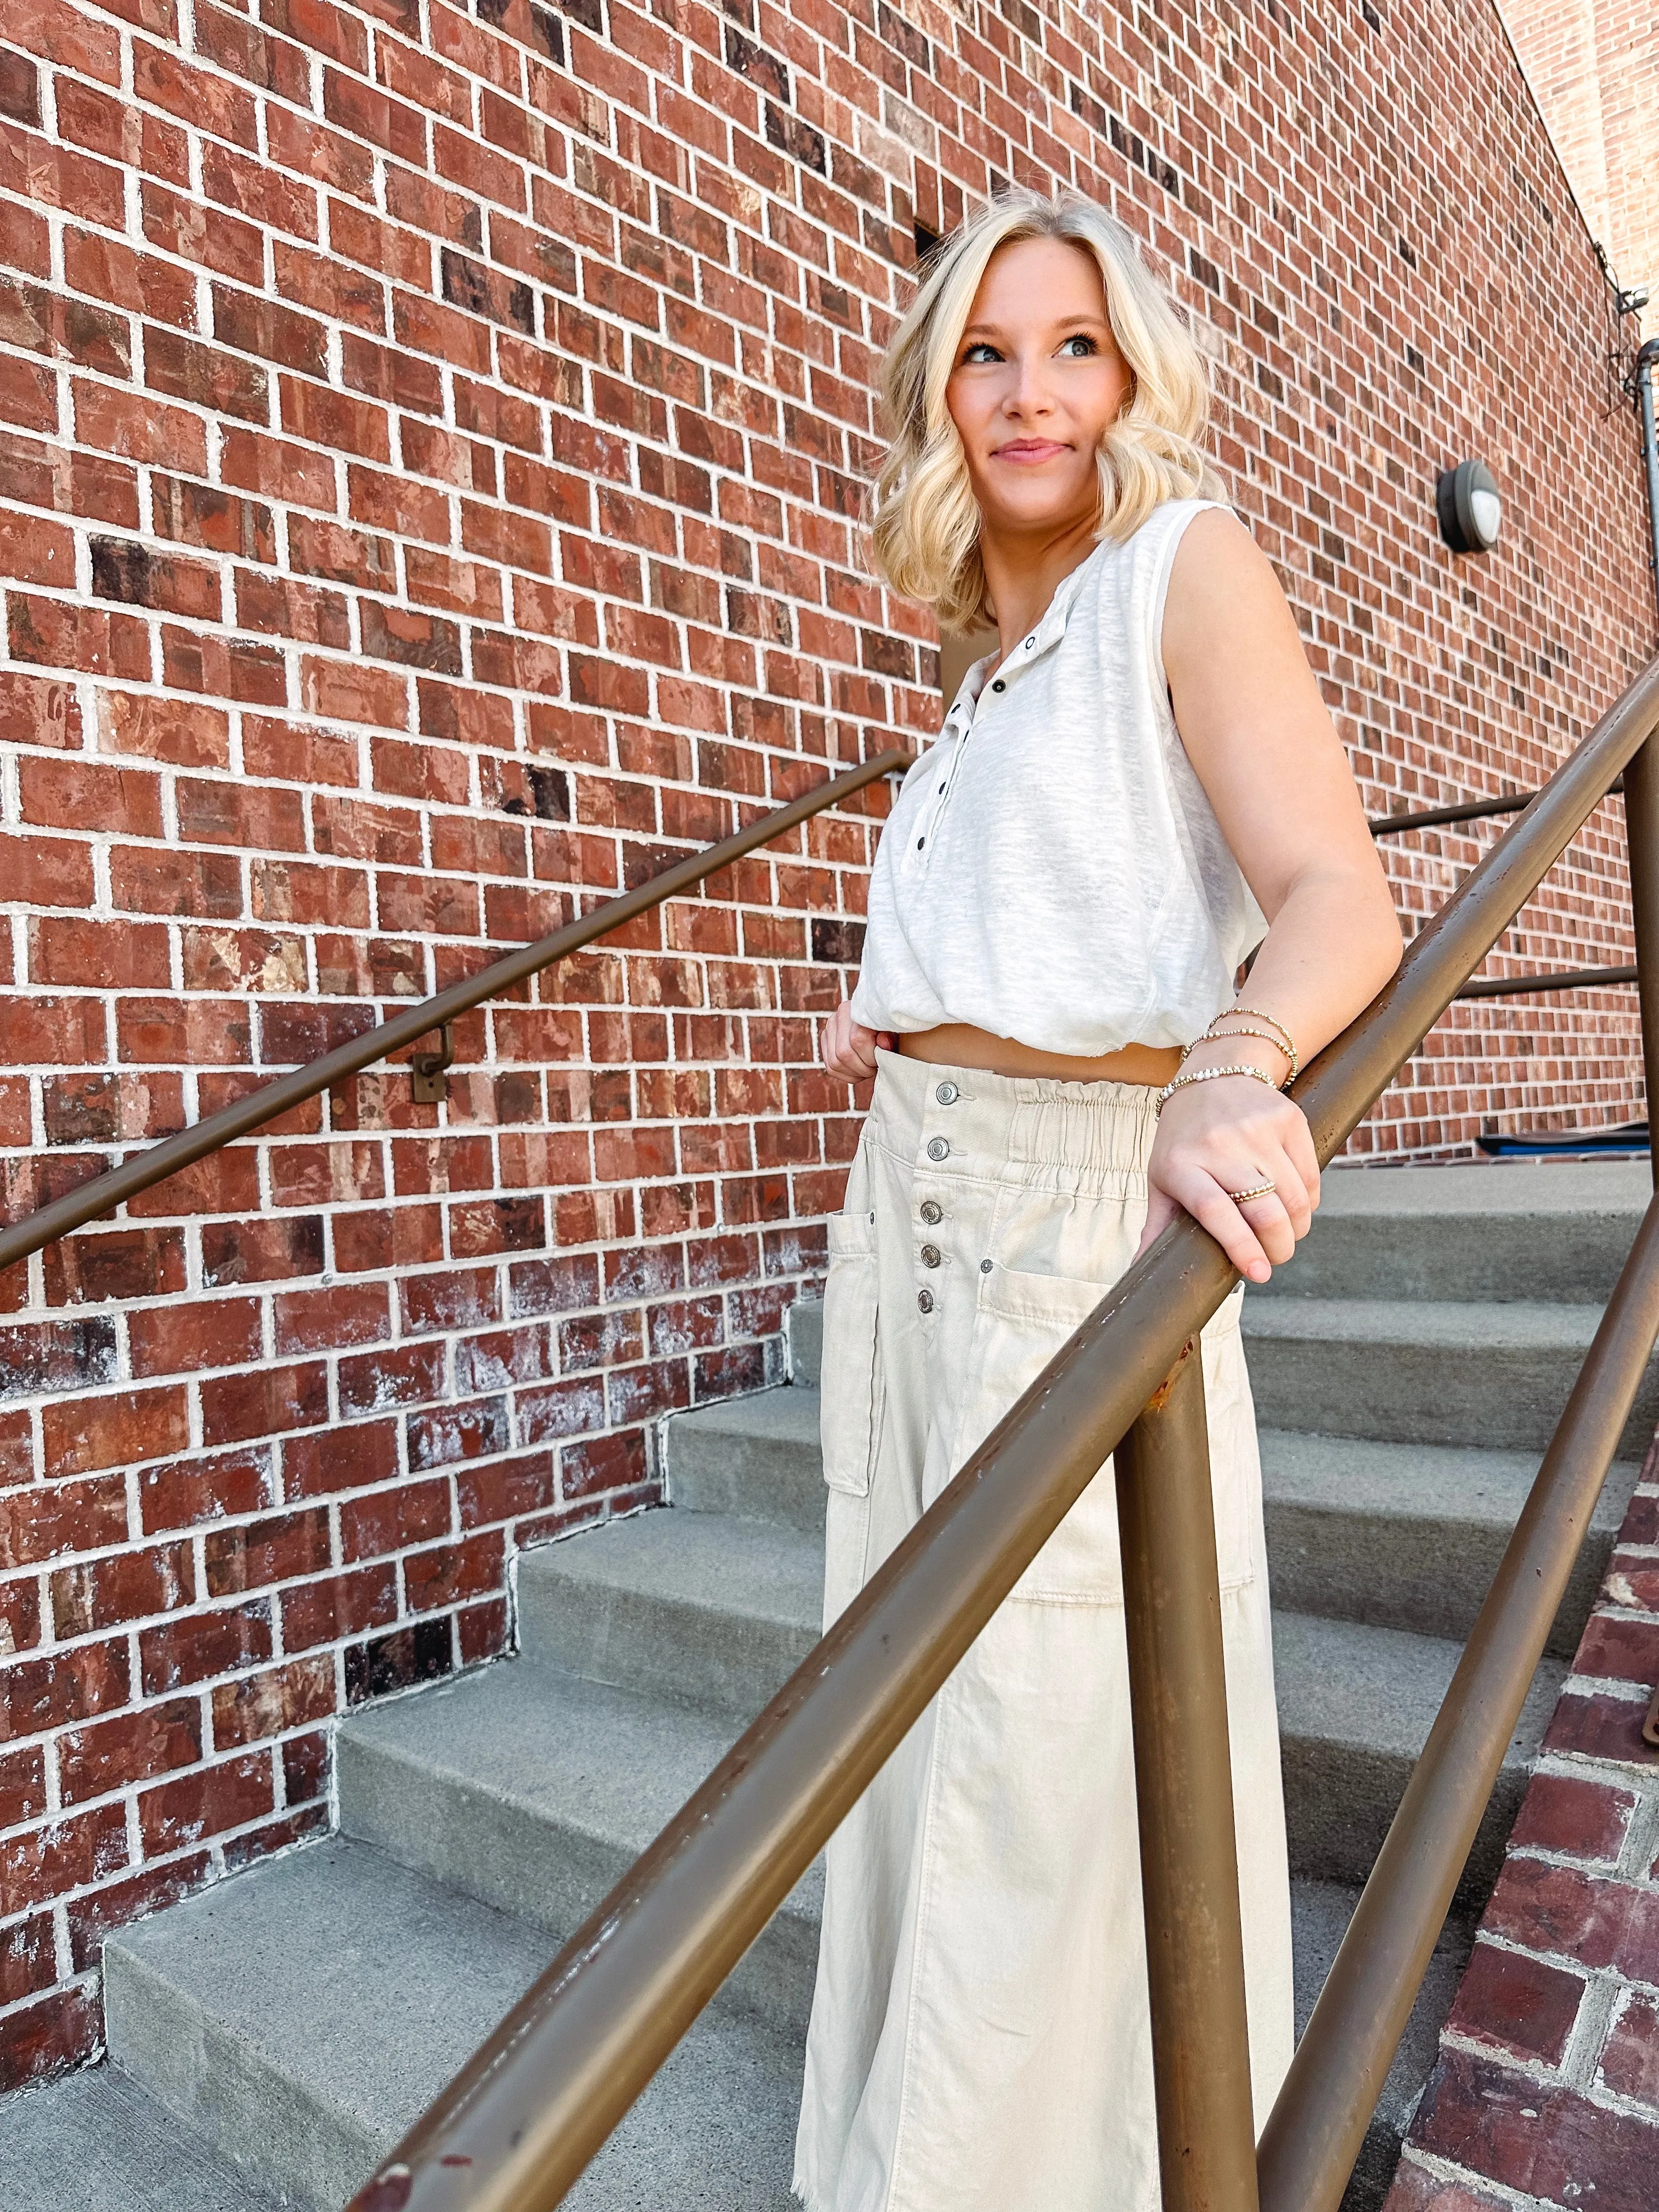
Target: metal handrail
[(518, 2125), (1570, 979), (1309, 2146), (1441, 817), (104, 1193), (1467, 810), (1476, 810)]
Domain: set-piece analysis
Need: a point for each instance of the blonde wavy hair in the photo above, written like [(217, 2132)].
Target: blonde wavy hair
[(924, 524)]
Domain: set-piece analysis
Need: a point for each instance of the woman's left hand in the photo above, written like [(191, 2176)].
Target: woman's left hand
[(1234, 1134)]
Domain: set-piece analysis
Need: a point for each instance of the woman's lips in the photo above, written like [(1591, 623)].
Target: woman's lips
[(1029, 449)]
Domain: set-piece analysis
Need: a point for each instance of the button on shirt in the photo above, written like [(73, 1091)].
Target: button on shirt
[(1052, 870)]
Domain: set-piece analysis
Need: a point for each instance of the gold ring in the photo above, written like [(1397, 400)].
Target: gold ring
[(1257, 1190)]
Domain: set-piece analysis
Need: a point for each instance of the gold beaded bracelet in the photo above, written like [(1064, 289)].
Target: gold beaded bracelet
[(1210, 1075), (1284, 1040), (1214, 1035), (1276, 1034)]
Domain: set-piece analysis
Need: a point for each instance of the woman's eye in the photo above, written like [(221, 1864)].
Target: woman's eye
[(1078, 348), (978, 353)]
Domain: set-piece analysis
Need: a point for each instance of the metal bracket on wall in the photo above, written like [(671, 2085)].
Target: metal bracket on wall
[(428, 1084)]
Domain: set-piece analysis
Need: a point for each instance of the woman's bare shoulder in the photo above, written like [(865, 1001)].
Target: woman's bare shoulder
[(1223, 588), (1217, 542)]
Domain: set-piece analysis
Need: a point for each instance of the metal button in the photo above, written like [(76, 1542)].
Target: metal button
[(997, 684), (925, 1300), (929, 1255), (937, 1149), (1029, 642), (932, 1212), (985, 1266), (947, 1094), (920, 841)]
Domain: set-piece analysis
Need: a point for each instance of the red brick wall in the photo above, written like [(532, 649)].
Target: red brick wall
[(1629, 34), (1548, 2078), (434, 445), (1594, 67)]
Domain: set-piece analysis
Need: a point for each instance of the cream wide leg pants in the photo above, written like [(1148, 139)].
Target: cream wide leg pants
[(980, 2038)]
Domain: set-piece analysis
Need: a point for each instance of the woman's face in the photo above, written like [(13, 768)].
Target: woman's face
[(1037, 381)]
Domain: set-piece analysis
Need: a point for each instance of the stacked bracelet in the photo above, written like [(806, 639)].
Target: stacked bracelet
[(1275, 1034), (1210, 1075), (1281, 1038)]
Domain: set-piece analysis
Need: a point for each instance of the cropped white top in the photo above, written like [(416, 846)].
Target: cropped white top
[(1052, 870)]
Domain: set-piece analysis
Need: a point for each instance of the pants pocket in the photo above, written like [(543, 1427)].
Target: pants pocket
[(850, 1417), (1024, 1320)]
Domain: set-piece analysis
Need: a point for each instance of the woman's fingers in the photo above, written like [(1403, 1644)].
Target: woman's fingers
[(1212, 1208), (1269, 1222), (848, 1048), (1257, 1233), (1299, 1146), (1291, 1189), (1161, 1210)]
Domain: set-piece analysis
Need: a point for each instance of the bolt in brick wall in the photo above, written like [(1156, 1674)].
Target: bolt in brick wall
[(435, 441), (1547, 2084)]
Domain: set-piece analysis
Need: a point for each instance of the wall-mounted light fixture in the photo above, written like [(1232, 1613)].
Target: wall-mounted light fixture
[(1470, 507)]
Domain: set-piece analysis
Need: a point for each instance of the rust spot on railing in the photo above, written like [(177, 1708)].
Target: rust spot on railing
[(1159, 1398), (387, 2192)]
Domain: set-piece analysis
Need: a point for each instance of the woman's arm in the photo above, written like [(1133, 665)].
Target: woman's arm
[(1258, 735)]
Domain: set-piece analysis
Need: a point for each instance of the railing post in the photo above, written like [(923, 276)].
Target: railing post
[(1184, 1793), (1641, 787), (1642, 842)]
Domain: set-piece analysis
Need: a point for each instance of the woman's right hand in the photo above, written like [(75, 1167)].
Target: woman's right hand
[(848, 1049)]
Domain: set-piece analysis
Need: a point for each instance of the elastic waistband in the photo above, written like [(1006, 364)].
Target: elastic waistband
[(1078, 1135)]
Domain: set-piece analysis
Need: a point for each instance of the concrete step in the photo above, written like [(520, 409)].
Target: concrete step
[(1355, 1707), (1400, 1535), (755, 1459), (534, 1791), (302, 2015), (1320, 1913), (700, 1608), (1552, 1231), (299, 2017), (96, 2142), (1405, 1372), (803, 1324), (1410, 1535)]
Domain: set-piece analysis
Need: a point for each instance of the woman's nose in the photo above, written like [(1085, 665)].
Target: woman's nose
[(1029, 393)]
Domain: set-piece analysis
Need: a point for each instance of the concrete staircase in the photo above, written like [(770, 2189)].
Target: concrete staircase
[(1407, 1372)]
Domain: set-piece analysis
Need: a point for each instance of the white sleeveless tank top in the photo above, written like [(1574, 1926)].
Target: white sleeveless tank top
[(1052, 870)]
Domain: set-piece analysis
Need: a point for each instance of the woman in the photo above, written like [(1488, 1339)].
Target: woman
[(1140, 787)]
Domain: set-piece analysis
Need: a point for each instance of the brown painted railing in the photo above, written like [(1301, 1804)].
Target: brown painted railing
[(517, 2127), (104, 1193), (1479, 810), (1466, 809)]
